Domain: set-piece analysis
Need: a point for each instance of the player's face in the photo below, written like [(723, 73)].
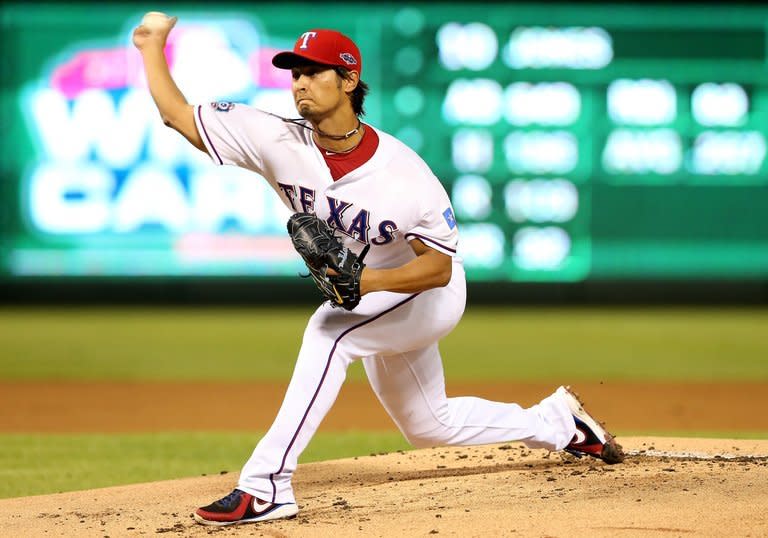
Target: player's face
[(317, 91)]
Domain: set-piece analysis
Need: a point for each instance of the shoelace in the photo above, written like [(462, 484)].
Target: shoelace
[(231, 498)]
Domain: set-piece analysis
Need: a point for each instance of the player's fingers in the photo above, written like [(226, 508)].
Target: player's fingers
[(173, 22), (139, 36), (331, 272)]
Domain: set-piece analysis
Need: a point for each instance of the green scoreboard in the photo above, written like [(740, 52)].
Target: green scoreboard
[(576, 142)]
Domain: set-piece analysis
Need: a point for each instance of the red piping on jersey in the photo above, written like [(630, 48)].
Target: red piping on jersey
[(205, 132)]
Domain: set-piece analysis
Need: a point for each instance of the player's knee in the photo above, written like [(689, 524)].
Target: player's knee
[(436, 436), (420, 441)]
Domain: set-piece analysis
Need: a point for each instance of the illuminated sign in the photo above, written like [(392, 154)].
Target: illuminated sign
[(107, 167), (576, 142)]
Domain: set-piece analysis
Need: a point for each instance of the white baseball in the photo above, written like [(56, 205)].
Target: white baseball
[(154, 20)]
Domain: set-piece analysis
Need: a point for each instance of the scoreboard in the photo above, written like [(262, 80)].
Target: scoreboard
[(576, 142), (598, 141)]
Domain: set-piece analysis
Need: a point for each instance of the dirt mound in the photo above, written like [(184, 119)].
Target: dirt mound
[(668, 486)]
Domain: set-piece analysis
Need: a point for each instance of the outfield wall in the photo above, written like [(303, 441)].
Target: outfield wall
[(245, 291)]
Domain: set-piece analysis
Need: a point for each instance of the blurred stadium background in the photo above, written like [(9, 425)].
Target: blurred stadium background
[(580, 144), (596, 154)]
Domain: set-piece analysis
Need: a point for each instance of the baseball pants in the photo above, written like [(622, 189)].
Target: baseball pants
[(396, 336)]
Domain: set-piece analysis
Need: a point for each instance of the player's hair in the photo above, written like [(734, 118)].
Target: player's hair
[(357, 97)]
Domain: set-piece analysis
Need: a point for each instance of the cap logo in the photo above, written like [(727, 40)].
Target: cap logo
[(348, 58), (305, 37)]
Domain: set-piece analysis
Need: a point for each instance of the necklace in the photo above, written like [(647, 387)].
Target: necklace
[(301, 123), (339, 137), (331, 151)]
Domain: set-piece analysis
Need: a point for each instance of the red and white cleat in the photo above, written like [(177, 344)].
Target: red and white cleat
[(591, 438), (241, 507)]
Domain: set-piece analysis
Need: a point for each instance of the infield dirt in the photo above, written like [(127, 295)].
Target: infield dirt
[(494, 490), (667, 486), (107, 407)]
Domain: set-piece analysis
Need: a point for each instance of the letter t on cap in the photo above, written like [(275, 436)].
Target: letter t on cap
[(306, 37)]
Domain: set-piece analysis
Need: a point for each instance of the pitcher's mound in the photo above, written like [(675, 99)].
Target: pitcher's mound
[(666, 487)]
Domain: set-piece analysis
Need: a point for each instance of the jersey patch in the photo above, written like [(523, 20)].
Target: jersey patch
[(449, 218), (222, 106)]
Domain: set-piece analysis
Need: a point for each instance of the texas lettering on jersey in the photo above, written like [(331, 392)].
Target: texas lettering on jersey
[(303, 199), (392, 199)]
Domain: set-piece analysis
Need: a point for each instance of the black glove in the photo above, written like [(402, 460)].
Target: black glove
[(321, 250)]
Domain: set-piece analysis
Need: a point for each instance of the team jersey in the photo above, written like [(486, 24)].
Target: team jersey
[(341, 164), (389, 200)]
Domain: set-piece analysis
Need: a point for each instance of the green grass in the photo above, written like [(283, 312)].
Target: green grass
[(39, 464), (151, 344), (222, 344), (493, 344), (620, 344)]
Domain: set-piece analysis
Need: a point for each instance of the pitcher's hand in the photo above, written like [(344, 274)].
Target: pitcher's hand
[(154, 29)]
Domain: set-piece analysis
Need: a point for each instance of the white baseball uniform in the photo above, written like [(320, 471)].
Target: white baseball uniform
[(388, 200)]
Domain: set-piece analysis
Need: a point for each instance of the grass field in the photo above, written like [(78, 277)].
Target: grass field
[(488, 344), (260, 344), (38, 464)]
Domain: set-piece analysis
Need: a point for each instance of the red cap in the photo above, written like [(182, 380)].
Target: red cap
[(327, 47)]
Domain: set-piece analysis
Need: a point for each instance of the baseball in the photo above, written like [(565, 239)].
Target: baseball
[(154, 20)]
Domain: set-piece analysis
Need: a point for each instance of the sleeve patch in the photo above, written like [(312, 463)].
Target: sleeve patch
[(222, 106), (449, 218)]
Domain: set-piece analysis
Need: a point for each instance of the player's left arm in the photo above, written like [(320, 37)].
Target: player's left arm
[(430, 269)]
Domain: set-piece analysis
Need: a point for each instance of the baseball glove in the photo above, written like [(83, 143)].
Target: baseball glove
[(321, 250)]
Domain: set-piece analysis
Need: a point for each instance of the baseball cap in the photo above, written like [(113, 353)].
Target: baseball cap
[(322, 46)]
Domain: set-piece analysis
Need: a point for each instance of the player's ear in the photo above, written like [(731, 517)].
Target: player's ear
[(350, 82)]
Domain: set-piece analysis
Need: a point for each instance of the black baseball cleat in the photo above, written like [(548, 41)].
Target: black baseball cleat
[(240, 507), (591, 439)]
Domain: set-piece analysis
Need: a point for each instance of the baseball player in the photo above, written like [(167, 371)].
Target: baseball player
[(377, 193)]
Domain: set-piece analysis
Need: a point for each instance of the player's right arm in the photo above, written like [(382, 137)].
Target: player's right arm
[(174, 109)]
